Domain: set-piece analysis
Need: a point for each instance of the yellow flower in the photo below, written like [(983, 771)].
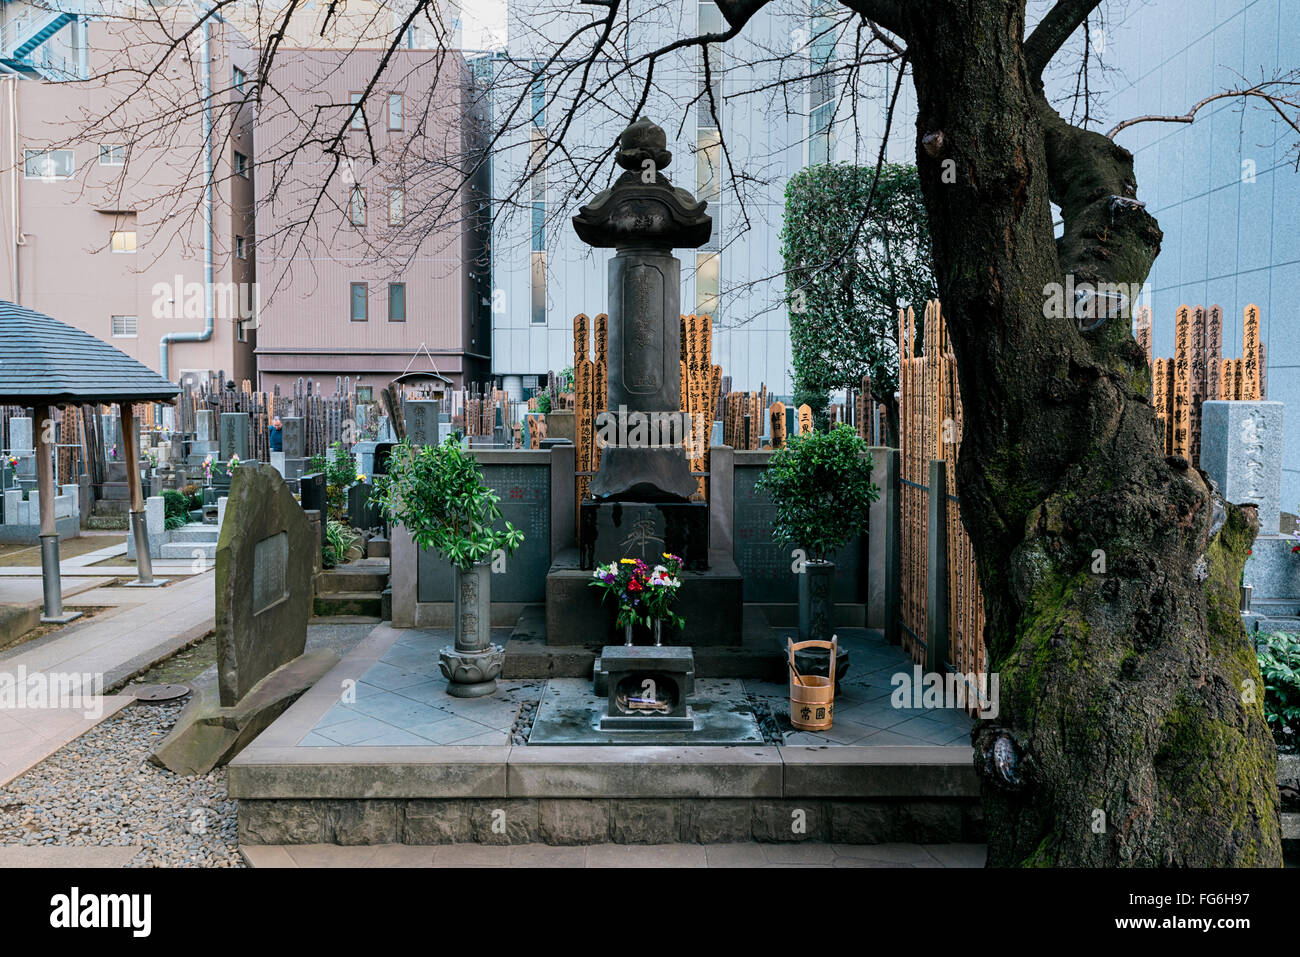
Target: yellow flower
[(627, 561)]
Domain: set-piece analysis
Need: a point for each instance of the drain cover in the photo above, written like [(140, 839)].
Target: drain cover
[(158, 692)]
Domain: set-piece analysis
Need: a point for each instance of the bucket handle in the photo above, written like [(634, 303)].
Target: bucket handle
[(832, 646)]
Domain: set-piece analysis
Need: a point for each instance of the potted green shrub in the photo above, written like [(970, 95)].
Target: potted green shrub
[(437, 492), (820, 483)]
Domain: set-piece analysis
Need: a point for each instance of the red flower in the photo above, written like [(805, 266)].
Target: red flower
[(634, 585)]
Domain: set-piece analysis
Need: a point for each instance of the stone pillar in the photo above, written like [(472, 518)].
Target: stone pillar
[(884, 561), (564, 523), (139, 530), (722, 494), (50, 574)]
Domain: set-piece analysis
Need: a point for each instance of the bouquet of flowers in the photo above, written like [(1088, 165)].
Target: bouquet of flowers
[(661, 590), (626, 580), (234, 462), (13, 461)]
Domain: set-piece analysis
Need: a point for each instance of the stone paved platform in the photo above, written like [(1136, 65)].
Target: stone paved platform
[(400, 699)]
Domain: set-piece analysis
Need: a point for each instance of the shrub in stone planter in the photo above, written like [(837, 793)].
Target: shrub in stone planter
[(438, 494), (820, 483)]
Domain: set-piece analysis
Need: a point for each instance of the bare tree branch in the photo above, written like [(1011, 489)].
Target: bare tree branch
[(1281, 93), (1053, 30)]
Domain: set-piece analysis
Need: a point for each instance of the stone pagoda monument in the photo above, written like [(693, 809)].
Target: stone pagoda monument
[(643, 486)]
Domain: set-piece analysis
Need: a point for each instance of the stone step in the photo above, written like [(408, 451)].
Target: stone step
[(188, 550), (352, 580), (362, 604), (196, 532)]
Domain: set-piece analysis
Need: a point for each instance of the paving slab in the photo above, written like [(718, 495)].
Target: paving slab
[(49, 855), (30, 735)]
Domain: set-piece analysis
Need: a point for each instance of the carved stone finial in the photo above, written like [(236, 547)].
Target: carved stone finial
[(643, 141), (643, 209)]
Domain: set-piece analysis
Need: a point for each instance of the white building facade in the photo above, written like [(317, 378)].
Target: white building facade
[(773, 119)]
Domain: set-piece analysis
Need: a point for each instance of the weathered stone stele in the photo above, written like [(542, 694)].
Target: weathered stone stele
[(263, 581)]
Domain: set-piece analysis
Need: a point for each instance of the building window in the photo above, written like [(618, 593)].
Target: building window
[(241, 164), (123, 240), (241, 332), (706, 284), (112, 155), (394, 111), (539, 94), (240, 251), (49, 164), (358, 121), (237, 78), (124, 327), (396, 205), (539, 288), (821, 94), (360, 302), (357, 206), (397, 302)]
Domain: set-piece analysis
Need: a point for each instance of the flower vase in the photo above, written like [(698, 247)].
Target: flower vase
[(658, 637), (627, 635)]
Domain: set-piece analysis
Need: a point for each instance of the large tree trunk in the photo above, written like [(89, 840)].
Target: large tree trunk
[(1127, 734)]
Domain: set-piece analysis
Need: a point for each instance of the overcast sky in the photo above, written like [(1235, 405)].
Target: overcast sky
[(483, 23)]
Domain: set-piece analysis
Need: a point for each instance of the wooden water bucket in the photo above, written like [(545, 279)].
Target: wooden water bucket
[(812, 697)]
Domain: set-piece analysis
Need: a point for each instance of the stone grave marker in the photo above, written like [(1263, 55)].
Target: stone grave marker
[(234, 436), (263, 581), (422, 421), (1241, 449), (293, 437)]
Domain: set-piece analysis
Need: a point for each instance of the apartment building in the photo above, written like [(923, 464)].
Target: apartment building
[(119, 215), (372, 222)]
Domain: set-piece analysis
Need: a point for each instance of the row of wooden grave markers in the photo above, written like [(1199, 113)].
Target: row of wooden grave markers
[(1198, 372)]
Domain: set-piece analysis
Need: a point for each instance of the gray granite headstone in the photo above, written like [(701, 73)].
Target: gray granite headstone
[(422, 421), (1241, 449), (20, 435), (263, 581), (204, 430), (234, 436), (294, 437)]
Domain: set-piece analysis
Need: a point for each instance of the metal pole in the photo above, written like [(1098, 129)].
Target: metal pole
[(52, 586), (143, 560)]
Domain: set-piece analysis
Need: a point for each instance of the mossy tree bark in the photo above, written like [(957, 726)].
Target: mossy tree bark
[(1130, 729)]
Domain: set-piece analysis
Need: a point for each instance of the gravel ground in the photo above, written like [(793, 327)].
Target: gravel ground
[(523, 725), (101, 790)]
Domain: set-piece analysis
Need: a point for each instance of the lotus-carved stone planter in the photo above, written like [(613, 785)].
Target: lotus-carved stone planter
[(473, 664)]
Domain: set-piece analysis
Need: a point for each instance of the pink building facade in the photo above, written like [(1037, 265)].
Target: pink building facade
[(106, 220), (371, 252)]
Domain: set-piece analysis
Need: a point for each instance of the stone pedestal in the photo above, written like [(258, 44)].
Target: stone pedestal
[(647, 688), (644, 530), (1241, 449)]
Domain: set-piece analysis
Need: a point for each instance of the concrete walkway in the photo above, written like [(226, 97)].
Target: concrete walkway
[(617, 855), (139, 627), (147, 625)]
